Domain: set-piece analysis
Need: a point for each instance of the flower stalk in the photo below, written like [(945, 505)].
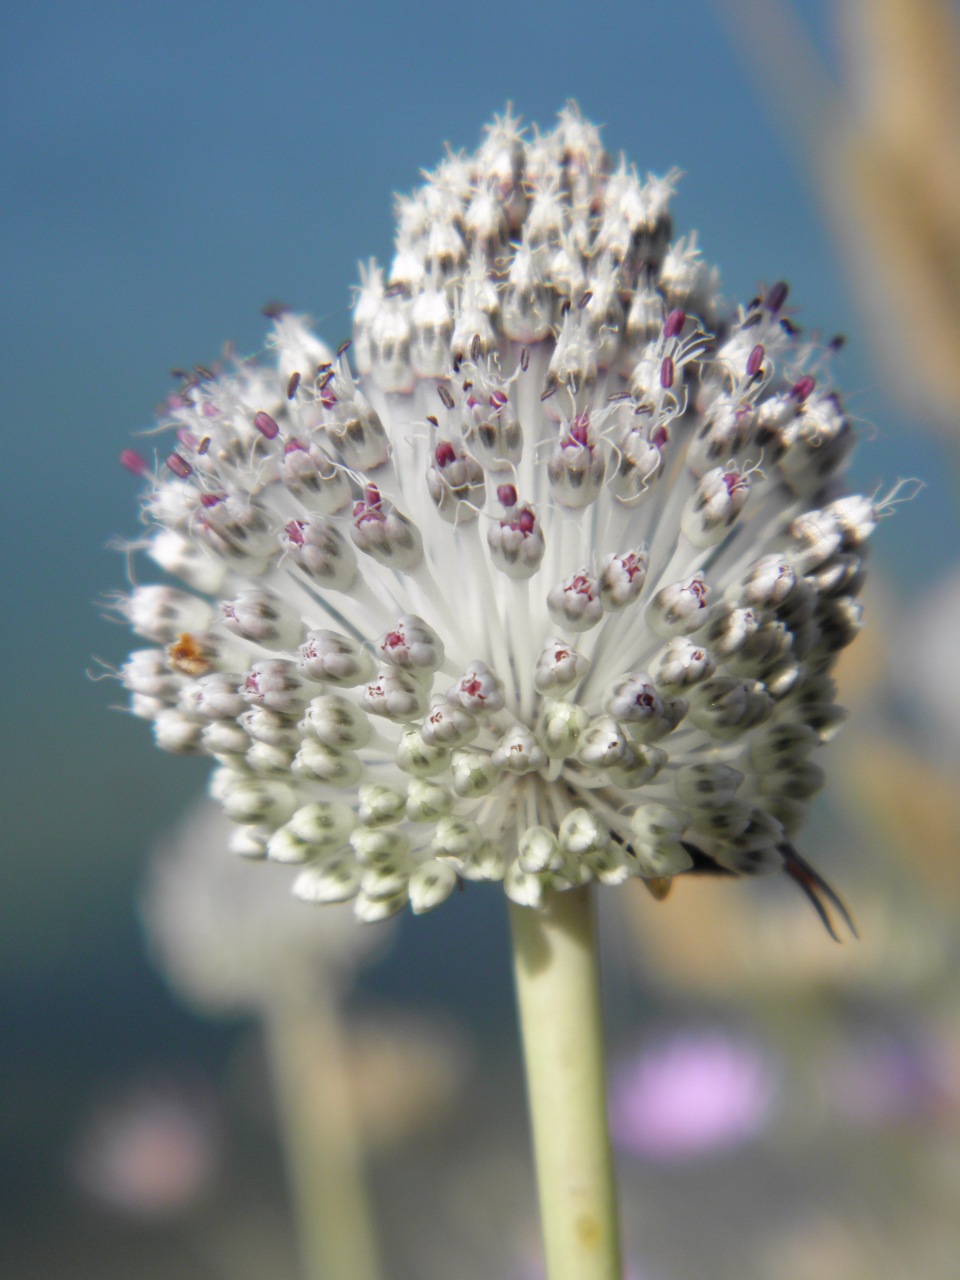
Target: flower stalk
[(320, 1138), (558, 994)]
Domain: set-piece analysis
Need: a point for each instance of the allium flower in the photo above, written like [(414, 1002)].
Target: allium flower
[(542, 583)]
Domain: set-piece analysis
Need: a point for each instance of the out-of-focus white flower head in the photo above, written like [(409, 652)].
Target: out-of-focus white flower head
[(228, 937), (545, 586)]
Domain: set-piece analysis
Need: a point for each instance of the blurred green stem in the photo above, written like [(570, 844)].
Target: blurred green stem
[(320, 1138), (558, 992)]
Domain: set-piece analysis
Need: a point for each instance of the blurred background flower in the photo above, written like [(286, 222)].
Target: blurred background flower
[(149, 1150), (690, 1093)]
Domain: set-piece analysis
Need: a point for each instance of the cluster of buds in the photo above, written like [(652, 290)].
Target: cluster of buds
[(542, 582)]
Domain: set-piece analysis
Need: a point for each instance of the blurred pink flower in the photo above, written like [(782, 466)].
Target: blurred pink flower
[(882, 1079), (691, 1093), (150, 1151)]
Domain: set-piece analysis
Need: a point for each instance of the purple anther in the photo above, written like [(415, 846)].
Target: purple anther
[(674, 323), (507, 495), (203, 448), (292, 385), (266, 425), (632, 564), (580, 431), (444, 454), (660, 436), (734, 481), (666, 372), (699, 589), (294, 532), (755, 360), (343, 348), (526, 521), (179, 466), (134, 462), (186, 438), (369, 507), (803, 388), (498, 399), (777, 296), (443, 391), (211, 499), (209, 409), (294, 446)]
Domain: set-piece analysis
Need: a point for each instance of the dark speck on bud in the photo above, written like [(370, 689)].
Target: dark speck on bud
[(777, 296), (674, 323), (755, 360), (134, 462), (266, 425)]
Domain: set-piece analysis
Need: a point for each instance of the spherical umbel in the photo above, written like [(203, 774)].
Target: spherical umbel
[(542, 582)]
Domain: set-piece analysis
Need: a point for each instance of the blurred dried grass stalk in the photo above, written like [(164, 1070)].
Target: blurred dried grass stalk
[(884, 149)]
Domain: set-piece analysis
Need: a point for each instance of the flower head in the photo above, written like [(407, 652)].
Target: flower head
[(542, 581)]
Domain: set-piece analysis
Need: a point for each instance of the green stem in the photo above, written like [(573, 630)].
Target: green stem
[(558, 992), (320, 1138)]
